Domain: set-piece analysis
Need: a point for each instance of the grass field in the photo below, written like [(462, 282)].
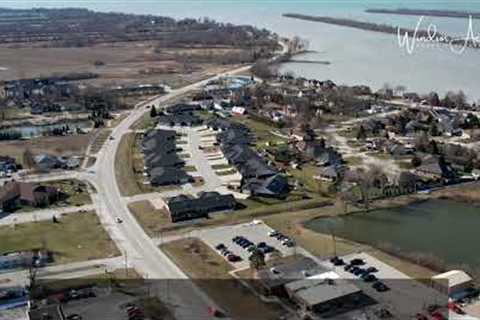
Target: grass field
[(209, 271), (59, 146), (77, 237), (153, 221)]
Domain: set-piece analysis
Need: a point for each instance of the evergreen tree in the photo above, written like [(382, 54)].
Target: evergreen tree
[(153, 112)]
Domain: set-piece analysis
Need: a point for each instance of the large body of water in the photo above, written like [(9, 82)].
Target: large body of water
[(356, 56), (445, 229)]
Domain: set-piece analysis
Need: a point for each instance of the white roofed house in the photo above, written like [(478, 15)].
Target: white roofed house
[(455, 283)]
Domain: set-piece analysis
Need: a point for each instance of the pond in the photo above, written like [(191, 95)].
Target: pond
[(446, 229), (30, 131)]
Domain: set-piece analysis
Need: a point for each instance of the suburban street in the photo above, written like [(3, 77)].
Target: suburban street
[(139, 251), (42, 215)]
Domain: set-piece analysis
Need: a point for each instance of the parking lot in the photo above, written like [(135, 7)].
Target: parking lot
[(254, 232), (403, 296)]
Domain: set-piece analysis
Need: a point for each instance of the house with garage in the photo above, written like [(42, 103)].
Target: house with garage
[(16, 194)]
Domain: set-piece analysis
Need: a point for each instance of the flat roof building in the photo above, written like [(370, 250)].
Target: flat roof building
[(452, 282), (273, 280), (326, 294)]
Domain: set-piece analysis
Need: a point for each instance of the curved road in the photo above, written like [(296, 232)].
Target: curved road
[(139, 250)]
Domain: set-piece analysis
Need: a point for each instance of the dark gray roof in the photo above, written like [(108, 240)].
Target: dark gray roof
[(168, 176), (186, 208)]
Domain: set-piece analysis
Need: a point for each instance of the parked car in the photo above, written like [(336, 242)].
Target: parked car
[(234, 258), (220, 247), (368, 277), (337, 261), (371, 270), (357, 262), (380, 286), (273, 233)]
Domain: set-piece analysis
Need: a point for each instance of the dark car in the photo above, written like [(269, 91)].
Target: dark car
[(358, 271), (261, 244), (220, 247), (236, 239), (268, 249), (357, 262), (354, 269), (380, 286), (368, 277), (348, 267), (337, 261), (371, 269), (234, 258)]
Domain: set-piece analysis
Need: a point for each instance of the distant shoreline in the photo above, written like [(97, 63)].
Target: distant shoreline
[(382, 28), (429, 13)]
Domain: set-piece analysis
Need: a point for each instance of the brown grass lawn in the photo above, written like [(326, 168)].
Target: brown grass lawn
[(78, 237), (152, 221), (209, 271), (126, 178), (101, 137)]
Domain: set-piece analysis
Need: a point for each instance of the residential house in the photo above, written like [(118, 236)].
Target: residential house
[(46, 162), (330, 173), (162, 164), (24, 259), (321, 155), (258, 177), (435, 169), (182, 208), (14, 194)]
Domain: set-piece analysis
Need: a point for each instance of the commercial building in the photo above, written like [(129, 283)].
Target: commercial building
[(272, 281), (326, 294)]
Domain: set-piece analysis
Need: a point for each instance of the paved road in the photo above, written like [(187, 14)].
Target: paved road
[(41, 215), (65, 271), (141, 251)]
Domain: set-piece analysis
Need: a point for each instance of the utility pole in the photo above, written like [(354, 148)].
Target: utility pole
[(126, 263)]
